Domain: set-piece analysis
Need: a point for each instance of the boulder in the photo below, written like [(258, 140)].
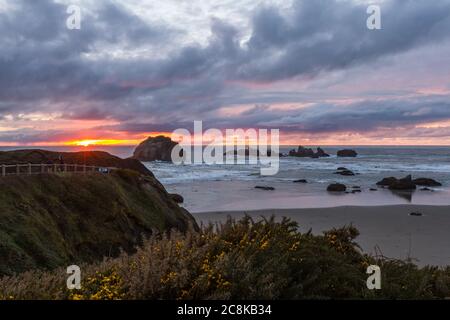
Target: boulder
[(265, 188), (336, 187), (398, 184), (426, 182), (403, 184), (386, 182), (416, 214), (345, 173), (347, 153), (155, 148), (301, 181), (407, 183), (177, 198)]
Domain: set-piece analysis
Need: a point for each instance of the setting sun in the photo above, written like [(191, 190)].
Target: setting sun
[(103, 142)]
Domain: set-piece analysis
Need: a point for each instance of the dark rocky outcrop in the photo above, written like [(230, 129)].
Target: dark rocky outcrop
[(416, 214), (426, 182), (347, 153), (267, 188), (403, 184), (301, 181), (321, 153), (155, 148), (336, 187), (407, 183), (303, 152), (386, 182), (177, 198), (346, 173)]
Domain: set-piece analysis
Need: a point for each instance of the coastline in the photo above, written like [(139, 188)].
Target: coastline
[(386, 229)]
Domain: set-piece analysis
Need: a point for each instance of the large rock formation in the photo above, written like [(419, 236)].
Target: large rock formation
[(347, 153), (303, 152), (155, 148)]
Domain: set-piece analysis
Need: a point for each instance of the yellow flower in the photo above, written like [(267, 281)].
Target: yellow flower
[(264, 245)]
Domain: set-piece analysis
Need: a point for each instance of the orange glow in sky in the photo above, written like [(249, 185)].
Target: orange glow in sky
[(102, 142)]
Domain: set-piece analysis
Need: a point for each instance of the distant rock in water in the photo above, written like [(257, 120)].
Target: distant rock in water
[(321, 153), (407, 183), (336, 187), (254, 152), (303, 152), (346, 173), (400, 184), (386, 182), (155, 148), (427, 182), (301, 181), (347, 153)]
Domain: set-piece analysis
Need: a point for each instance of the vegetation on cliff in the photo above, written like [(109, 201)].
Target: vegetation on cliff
[(52, 220)]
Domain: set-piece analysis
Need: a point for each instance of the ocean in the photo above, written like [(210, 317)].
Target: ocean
[(231, 187)]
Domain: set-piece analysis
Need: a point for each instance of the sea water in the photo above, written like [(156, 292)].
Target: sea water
[(231, 187)]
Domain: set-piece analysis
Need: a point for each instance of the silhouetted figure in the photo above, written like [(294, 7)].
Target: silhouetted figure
[(61, 162)]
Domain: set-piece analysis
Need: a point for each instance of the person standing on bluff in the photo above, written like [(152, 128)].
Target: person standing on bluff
[(61, 162)]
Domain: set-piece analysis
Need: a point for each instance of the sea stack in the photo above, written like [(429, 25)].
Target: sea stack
[(155, 148), (303, 152), (347, 153)]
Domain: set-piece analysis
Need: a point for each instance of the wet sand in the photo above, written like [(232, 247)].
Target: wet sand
[(425, 238)]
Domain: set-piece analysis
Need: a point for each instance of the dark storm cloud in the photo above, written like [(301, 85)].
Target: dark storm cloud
[(47, 68), (325, 35), (368, 115)]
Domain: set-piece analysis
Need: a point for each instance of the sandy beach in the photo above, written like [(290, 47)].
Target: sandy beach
[(392, 229)]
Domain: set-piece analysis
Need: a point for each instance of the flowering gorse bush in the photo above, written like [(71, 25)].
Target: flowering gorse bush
[(237, 260)]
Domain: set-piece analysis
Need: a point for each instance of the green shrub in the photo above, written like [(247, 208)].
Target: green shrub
[(238, 260)]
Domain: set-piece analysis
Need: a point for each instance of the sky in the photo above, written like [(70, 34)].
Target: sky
[(310, 68)]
